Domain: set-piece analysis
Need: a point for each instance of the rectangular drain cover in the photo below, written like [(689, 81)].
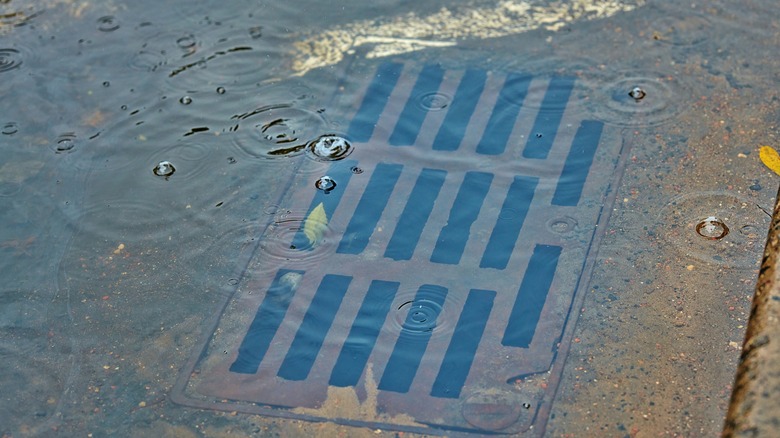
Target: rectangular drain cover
[(435, 287)]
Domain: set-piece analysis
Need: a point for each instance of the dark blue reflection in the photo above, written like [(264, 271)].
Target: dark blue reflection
[(413, 340), (513, 212), (377, 95), (463, 346), (453, 237), (267, 320), (415, 215), (362, 336), (532, 296), (502, 119), (464, 103), (578, 162), (408, 126), (314, 327), (370, 208), (549, 118)]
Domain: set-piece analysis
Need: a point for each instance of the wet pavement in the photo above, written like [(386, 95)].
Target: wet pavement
[(148, 148)]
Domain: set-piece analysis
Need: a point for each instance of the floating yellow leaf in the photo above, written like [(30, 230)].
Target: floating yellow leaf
[(315, 224), (770, 158)]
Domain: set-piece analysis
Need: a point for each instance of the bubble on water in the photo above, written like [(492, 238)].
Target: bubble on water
[(539, 135), (185, 100), (220, 90), (10, 128), (699, 225), (233, 281), (123, 107), (712, 228), (108, 23), (527, 405), (231, 160), (637, 93), (325, 183), (329, 147), (636, 98), (164, 169), (106, 84), (9, 59), (65, 143), (356, 170)]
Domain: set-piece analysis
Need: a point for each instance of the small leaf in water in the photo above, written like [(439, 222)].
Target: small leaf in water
[(315, 225), (770, 158)]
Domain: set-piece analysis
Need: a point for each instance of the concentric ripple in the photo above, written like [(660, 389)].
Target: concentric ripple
[(280, 130), (427, 311), (9, 59), (662, 98), (282, 239), (698, 225)]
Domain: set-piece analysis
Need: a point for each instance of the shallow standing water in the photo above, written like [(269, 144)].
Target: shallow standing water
[(162, 189)]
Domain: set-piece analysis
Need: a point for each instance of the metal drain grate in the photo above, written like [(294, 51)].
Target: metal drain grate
[(433, 288)]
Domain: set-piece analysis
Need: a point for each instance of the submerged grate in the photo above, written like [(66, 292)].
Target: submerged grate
[(434, 288)]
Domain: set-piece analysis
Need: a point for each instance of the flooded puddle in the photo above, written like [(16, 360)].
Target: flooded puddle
[(518, 217), (434, 287)]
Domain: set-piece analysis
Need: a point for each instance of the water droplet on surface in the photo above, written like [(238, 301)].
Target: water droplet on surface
[(356, 170), (220, 90), (231, 160), (712, 228), (539, 135), (326, 184), (637, 93), (233, 281), (109, 23), (123, 107), (10, 128), (164, 169), (65, 143), (106, 84), (9, 59), (329, 148), (185, 100), (527, 405), (645, 98)]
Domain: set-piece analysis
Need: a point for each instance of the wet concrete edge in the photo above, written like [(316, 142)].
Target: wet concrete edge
[(755, 401)]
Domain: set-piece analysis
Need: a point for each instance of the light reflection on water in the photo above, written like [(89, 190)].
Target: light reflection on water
[(112, 272)]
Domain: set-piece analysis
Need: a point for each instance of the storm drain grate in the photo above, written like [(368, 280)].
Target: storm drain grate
[(433, 288)]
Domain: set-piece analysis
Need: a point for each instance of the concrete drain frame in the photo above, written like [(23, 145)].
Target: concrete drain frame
[(436, 287)]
